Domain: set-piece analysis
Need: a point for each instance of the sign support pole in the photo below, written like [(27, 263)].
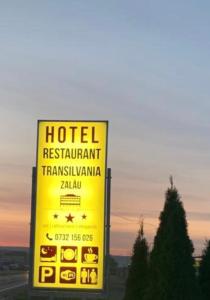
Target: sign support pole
[(108, 208), (33, 196)]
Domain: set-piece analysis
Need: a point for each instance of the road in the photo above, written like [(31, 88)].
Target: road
[(15, 281), (12, 280)]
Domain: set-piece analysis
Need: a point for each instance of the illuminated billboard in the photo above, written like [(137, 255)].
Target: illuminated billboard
[(69, 217)]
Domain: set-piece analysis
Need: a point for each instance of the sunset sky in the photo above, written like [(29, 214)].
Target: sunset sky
[(142, 65)]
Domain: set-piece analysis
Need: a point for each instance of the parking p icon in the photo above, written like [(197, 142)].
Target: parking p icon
[(46, 274)]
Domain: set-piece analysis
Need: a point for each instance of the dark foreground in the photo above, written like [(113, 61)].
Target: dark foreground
[(117, 284)]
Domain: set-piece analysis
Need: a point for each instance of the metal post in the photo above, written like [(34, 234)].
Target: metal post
[(108, 208), (33, 196)]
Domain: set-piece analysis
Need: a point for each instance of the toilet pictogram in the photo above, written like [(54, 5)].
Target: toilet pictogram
[(89, 276)]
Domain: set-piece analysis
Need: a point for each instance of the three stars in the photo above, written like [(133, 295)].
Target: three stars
[(70, 217)]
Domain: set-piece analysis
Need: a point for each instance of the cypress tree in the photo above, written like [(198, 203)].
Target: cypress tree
[(204, 273), (172, 275), (138, 272)]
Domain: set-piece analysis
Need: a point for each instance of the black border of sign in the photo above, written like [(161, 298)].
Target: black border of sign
[(67, 292)]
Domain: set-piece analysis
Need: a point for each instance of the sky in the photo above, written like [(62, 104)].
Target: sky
[(142, 65)]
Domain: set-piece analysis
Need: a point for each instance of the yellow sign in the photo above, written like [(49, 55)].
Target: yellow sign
[(70, 205)]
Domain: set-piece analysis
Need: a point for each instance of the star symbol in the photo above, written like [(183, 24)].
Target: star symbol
[(55, 216), (69, 218), (84, 216)]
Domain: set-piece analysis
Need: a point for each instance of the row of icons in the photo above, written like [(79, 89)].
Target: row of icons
[(68, 275), (68, 254)]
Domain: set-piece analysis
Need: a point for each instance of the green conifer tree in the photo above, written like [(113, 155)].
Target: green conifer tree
[(172, 275), (204, 273), (138, 272)]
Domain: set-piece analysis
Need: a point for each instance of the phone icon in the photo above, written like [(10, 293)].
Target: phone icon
[(48, 237)]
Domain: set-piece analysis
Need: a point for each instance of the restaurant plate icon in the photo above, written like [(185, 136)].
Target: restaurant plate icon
[(69, 254)]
